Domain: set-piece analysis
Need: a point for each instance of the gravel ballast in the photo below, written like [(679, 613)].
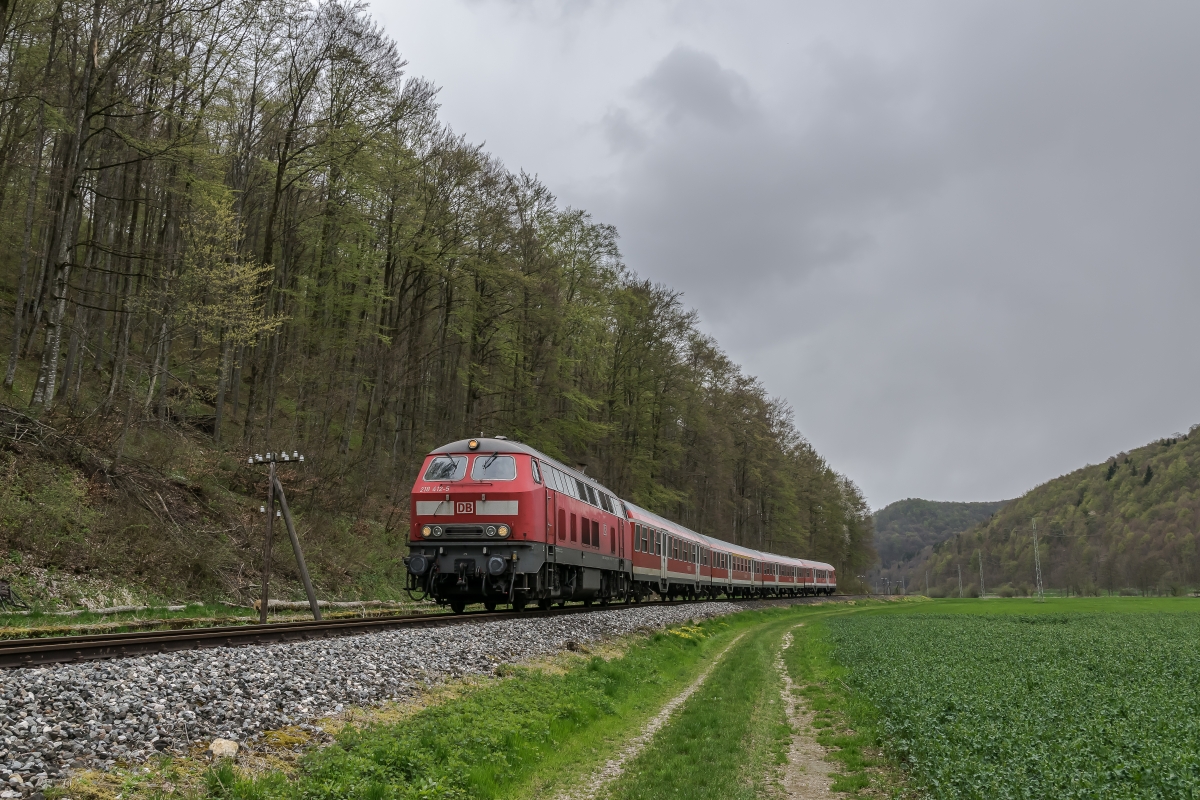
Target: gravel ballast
[(94, 714)]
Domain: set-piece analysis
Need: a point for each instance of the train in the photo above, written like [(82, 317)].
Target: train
[(496, 522)]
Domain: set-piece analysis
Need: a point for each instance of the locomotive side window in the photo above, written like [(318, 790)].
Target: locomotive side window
[(447, 468), (562, 524), (573, 527), (537, 473), (605, 502), (494, 468), (591, 496), (595, 533)]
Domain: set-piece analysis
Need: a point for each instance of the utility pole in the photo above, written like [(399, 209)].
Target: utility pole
[(960, 591), (1037, 563), (979, 555), (275, 489), (927, 583)]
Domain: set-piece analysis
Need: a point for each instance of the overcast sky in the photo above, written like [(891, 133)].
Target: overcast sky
[(960, 238)]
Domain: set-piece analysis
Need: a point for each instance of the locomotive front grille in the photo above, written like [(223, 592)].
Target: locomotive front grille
[(465, 531)]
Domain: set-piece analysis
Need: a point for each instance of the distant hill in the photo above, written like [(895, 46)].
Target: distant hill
[(1127, 524), (906, 527)]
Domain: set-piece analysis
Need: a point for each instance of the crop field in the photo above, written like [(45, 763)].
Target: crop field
[(1032, 705)]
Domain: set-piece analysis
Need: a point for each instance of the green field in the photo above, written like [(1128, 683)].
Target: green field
[(1015, 699)]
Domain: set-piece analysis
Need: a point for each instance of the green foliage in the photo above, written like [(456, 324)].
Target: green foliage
[(1039, 705), (1129, 523), (904, 528), (284, 246)]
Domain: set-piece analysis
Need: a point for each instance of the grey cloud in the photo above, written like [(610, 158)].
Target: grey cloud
[(689, 83), (959, 237)]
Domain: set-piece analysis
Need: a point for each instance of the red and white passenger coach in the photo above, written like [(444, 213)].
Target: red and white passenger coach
[(495, 521)]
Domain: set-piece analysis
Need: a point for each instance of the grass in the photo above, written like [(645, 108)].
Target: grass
[(730, 735), (525, 735)]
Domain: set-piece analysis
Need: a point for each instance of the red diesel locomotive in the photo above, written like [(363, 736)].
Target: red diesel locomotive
[(495, 521)]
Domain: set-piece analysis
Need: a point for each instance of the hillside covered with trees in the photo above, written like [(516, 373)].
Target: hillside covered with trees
[(1128, 524), (904, 529), (240, 226)]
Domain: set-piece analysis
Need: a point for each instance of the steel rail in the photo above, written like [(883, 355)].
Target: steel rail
[(31, 652)]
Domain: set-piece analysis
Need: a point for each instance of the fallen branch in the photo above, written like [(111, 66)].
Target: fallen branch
[(299, 605), (101, 611)]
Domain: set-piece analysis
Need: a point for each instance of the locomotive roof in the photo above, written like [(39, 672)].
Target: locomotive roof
[(489, 445)]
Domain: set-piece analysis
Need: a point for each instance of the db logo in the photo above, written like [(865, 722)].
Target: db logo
[(464, 508)]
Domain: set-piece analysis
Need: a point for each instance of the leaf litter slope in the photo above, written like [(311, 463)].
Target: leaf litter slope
[(1031, 706)]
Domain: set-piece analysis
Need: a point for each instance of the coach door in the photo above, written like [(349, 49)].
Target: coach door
[(662, 559)]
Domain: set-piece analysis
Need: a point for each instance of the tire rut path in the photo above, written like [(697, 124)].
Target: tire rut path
[(808, 775), (615, 766)]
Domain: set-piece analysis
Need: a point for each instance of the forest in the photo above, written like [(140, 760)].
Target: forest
[(904, 528), (1127, 525), (238, 226)]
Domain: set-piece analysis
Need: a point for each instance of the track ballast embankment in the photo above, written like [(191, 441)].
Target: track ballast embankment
[(63, 649)]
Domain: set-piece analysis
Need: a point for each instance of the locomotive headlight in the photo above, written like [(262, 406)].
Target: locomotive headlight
[(473, 444), (490, 530), (503, 531), (426, 531), (437, 530)]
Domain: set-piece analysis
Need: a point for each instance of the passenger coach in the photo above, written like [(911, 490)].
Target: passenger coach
[(494, 521)]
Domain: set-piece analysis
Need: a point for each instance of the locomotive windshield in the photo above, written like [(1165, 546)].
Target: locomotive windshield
[(447, 468), (494, 468)]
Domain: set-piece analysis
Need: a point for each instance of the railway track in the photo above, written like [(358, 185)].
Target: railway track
[(62, 649)]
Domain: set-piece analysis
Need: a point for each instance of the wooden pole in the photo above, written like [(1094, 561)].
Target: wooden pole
[(291, 529), (266, 576)]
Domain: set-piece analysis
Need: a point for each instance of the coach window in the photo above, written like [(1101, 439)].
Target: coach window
[(447, 468), (494, 468)]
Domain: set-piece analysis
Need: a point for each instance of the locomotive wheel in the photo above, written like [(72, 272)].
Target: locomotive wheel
[(518, 604), (458, 606), (490, 605), (587, 602), (544, 604)]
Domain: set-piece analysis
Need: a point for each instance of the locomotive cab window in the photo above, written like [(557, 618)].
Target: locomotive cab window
[(447, 468), (537, 473), (494, 468)]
